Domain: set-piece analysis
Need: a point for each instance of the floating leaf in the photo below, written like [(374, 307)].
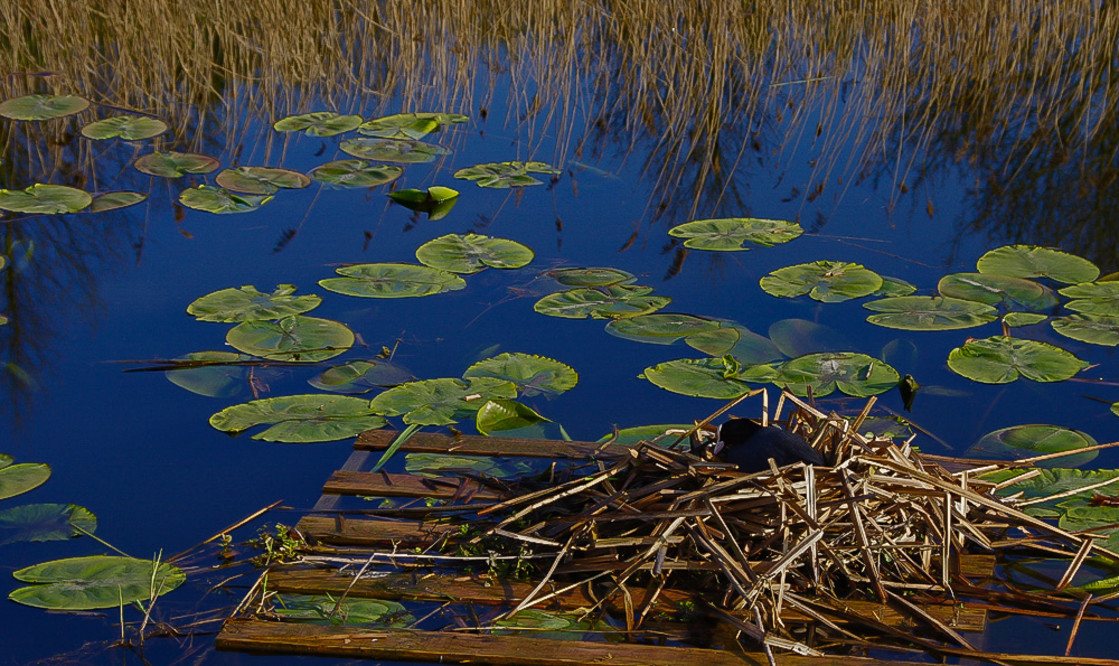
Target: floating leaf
[(667, 432), (441, 401), (441, 465), (590, 277), (1025, 441), (1028, 261), (999, 359), (115, 200), (297, 338), (175, 165), (393, 150), (473, 252), (220, 201), (505, 415), (128, 127), (1014, 319), (300, 418), (532, 374), (610, 302), (1057, 483), (722, 378), (6, 460), (410, 125), (355, 173), (738, 341), (318, 123), (360, 377), (994, 289), (892, 427), (42, 107), (505, 174), (3, 320), (97, 581), (797, 337), (40, 199), (436, 201), (1097, 298), (45, 522), (324, 609), (929, 313), (826, 281), (215, 376), (18, 479), (855, 374), (660, 328), (261, 180), (392, 281), (892, 286), (1092, 329), (247, 304), (730, 233)]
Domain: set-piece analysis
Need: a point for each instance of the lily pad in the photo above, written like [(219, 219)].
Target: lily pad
[(531, 374), (797, 337), (323, 609), (261, 180), (247, 304), (393, 150), (855, 374), (217, 374), (97, 581), (1092, 329), (392, 281), (999, 359), (723, 378), (647, 433), (115, 200), (499, 414), (442, 465), (1059, 481), (892, 286), (297, 338), (590, 277), (473, 252), (929, 313), (660, 328), (41, 199), (300, 418), (45, 522), (127, 127), (1015, 319), (220, 201), (436, 201), (995, 289), (21, 478), (318, 123), (613, 302), (1025, 441), (826, 281), (410, 125), (738, 341), (1028, 261), (505, 174), (42, 107), (441, 401), (175, 165), (355, 173), (1097, 298), (732, 233), (361, 377)]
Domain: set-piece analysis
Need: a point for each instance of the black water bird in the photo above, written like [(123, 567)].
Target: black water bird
[(750, 446)]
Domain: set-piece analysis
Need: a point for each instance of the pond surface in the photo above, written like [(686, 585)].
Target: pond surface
[(92, 296)]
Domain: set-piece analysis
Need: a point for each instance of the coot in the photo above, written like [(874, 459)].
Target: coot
[(750, 446)]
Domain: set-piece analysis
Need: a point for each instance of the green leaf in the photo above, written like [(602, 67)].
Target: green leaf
[(392, 281), (19, 479), (647, 433), (40, 199), (297, 338), (393, 150), (1026, 441), (441, 401), (826, 281), (45, 522), (1028, 261), (660, 328), (247, 304), (42, 107), (6, 460), (505, 174), (220, 201), (1014, 319), (127, 127), (721, 378), (175, 165), (1058, 481), (216, 376), (97, 581), (1093, 329), (855, 374), (318, 123), (589, 277), (738, 341), (473, 252), (324, 609), (892, 286), (499, 414), (115, 200), (355, 173), (731, 233), (611, 302), (410, 125), (442, 465), (999, 359), (532, 374), (261, 180), (1096, 298), (436, 201), (929, 313), (994, 289), (360, 377), (300, 418)]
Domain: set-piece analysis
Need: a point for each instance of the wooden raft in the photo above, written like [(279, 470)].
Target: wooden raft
[(334, 532)]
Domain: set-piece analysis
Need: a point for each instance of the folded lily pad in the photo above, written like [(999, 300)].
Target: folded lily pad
[(355, 173), (45, 522), (437, 201), (732, 233), (613, 302), (298, 338), (1028, 261), (393, 150), (999, 359), (532, 374), (96, 581), (220, 201), (855, 374), (41, 199), (42, 107), (392, 281), (505, 174), (127, 127), (826, 281), (318, 123), (300, 418), (471, 253), (498, 414), (175, 165), (115, 200), (247, 304), (929, 313), (261, 180), (441, 401), (409, 125)]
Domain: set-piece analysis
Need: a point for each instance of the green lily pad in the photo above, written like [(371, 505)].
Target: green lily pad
[(1095, 298), (409, 125), (318, 123), (590, 277), (646, 433), (929, 313), (300, 418), (1025, 441), (855, 374), (247, 304), (442, 465), (1015, 319), (393, 150), (441, 401), (436, 201), (611, 302), (3, 320), (128, 127), (1092, 329), (42, 107), (217, 374), (999, 359), (499, 414), (473, 252), (892, 427), (723, 378), (297, 338), (45, 522), (261, 180), (892, 286), (6, 460), (505, 174), (220, 201), (738, 341), (1028, 261), (545, 625), (1058, 481), (531, 374), (115, 200), (797, 337), (361, 377), (40, 199), (21, 478), (97, 581), (826, 281), (324, 609), (995, 289), (660, 328), (175, 165), (355, 173), (731, 233), (392, 281)]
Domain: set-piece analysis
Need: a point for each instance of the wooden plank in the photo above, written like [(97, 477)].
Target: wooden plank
[(344, 482), (354, 463), (433, 442), (340, 530)]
